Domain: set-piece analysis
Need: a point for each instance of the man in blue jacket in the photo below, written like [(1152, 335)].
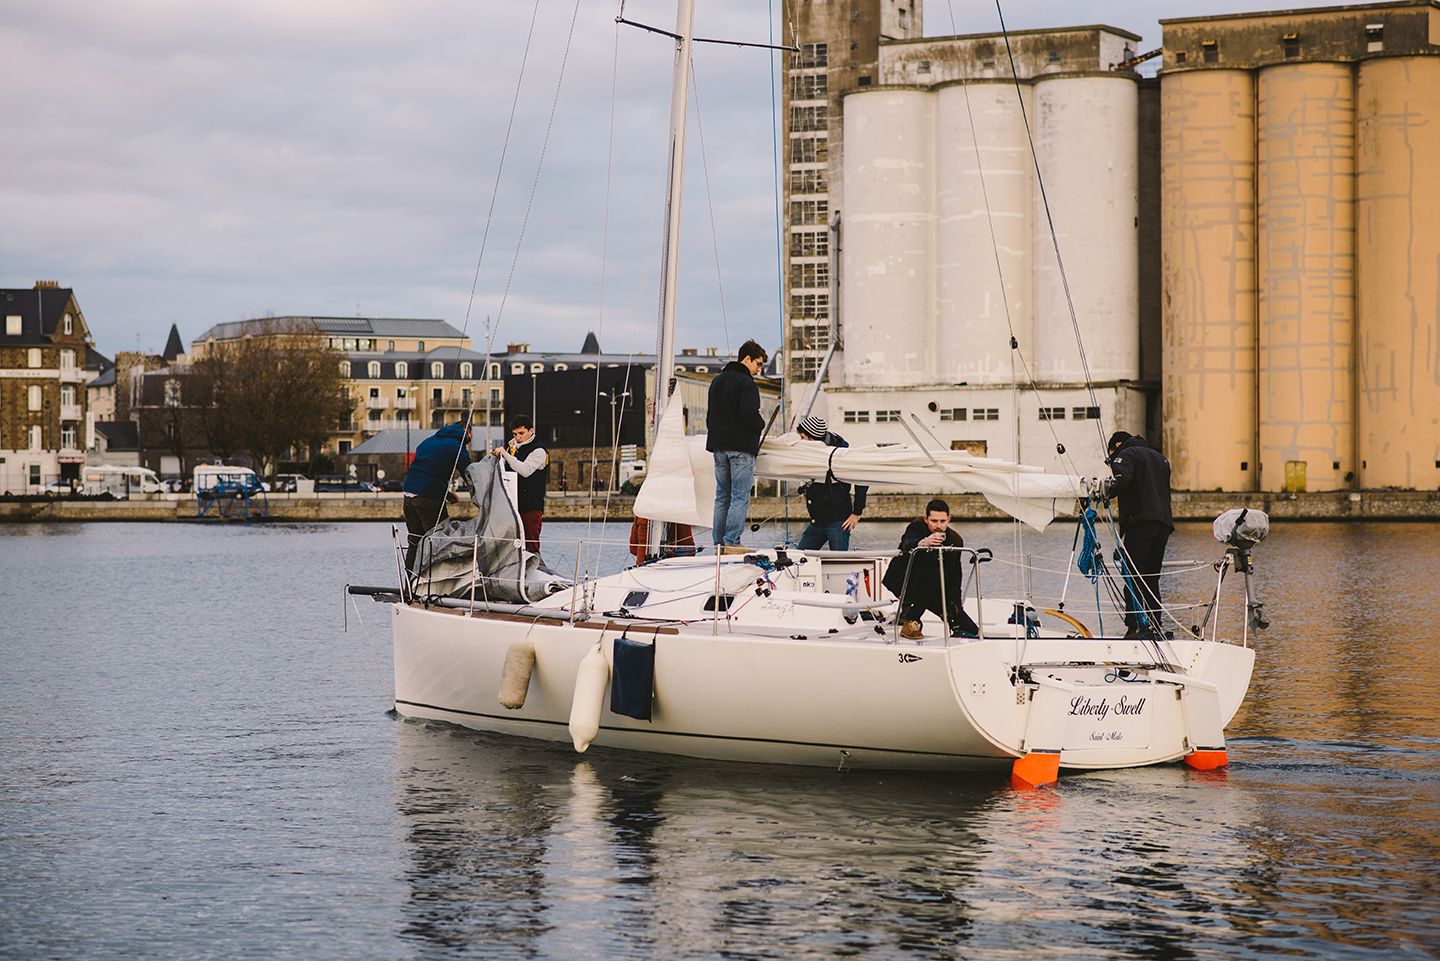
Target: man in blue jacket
[(427, 482), (833, 510), (733, 427)]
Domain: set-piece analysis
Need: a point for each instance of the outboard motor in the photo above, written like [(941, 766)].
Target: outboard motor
[(1240, 529)]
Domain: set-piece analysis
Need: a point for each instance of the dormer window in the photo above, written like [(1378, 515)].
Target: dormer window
[(402, 369), (373, 369), (437, 370), (467, 371), (69, 324), (345, 369)]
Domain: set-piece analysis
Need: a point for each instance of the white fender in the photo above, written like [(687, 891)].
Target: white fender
[(515, 675), (591, 680)]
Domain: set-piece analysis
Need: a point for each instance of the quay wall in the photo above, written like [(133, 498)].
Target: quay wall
[(1187, 505)]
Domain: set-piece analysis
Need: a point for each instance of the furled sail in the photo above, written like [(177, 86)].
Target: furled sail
[(680, 482)]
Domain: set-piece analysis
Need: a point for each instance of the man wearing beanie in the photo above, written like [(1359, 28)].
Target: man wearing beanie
[(833, 511), (1142, 479)]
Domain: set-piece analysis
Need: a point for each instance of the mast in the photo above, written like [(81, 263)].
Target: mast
[(675, 185), (670, 251)]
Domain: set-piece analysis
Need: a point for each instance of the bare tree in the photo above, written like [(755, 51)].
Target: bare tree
[(275, 390)]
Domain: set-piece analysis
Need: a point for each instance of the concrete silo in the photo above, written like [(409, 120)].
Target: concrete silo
[(1207, 245), (889, 237), (1305, 179), (1398, 237), (982, 277), (1086, 144)]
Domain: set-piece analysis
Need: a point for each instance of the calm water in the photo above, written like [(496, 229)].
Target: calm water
[(198, 763)]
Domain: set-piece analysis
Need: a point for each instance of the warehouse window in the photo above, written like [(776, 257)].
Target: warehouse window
[(1291, 45), (987, 413), (887, 417), (1052, 413), (857, 417), (952, 413), (1085, 413), (1210, 51)]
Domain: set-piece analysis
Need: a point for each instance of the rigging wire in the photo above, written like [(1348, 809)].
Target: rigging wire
[(710, 204), (775, 151)]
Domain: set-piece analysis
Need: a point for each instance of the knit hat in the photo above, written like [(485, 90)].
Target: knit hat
[(813, 426)]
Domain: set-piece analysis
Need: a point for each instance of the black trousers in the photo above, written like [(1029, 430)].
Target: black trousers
[(920, 591), (421, 515), (1145, 543)]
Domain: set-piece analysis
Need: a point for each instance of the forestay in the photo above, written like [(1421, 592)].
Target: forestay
[(680, 485)]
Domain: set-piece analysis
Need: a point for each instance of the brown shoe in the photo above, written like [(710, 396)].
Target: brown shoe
[(911, 630)]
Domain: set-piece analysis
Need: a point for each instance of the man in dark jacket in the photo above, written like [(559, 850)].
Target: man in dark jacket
[(427, 481), (1142, 479), (927, 579), (833, 511), (733, 426)]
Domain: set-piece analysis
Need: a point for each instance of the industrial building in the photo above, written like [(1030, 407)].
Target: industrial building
[(1266, 189)]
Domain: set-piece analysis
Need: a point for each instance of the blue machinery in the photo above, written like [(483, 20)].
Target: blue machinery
[(234, 497)]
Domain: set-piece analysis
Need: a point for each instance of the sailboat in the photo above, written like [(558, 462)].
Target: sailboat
[(786, 656)]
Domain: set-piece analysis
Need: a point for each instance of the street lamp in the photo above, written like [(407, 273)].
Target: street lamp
[(614, 433)]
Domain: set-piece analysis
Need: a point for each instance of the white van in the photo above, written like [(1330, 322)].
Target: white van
[(209, 479), (120, 482)]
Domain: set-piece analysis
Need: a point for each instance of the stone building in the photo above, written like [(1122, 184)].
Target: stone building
[(44, 342)]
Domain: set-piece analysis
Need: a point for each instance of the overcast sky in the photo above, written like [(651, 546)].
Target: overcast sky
[(194, 162)]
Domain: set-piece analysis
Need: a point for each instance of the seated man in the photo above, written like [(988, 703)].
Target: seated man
[(917, 575)]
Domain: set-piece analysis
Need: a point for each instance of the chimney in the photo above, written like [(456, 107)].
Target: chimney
[(47, 285), (712, 351), (689, 352), (517, 348)]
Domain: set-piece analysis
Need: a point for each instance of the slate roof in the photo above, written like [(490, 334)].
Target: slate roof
[(346, 327), (392, 441), (119, 434), (40, 312), (173, 347), (106, 378)]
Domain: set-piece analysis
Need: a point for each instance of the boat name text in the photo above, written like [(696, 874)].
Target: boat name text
[(1084, 706)]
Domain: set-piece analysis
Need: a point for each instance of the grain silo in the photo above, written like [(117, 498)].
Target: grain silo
[(984, 178), (889, 236), (1086, 134), (1398, 238), (1208, 275)]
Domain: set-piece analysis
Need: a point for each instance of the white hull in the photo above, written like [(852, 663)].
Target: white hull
[(852, 701)]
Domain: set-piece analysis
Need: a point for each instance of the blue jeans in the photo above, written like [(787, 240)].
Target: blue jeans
[(734, 476), (818, 533)]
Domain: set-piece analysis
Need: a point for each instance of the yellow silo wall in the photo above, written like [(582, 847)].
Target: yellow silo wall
[(1305, 179), (1398, 236), (1207, 183)]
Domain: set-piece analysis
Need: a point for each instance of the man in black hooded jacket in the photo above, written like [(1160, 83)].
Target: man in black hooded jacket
[(1142, 479), (733, 426)]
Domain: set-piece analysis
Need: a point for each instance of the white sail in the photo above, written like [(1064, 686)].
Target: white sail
[(682, 473)]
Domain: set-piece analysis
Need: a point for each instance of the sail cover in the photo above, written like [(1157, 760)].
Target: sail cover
[(484, 554), (1025, 493)]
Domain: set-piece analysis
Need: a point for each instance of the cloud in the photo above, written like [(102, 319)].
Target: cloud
[(202, 162)]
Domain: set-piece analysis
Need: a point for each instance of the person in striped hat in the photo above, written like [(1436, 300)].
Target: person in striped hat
[(833, 507)]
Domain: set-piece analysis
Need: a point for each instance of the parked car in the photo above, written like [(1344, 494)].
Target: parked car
[(341, 484), (293, 484), (59, 488), (393, 485)]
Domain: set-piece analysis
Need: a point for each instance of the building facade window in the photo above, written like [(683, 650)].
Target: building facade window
[(67, 394), (67, 437), (344, 446), (810, 243), (67, 359), (12, 325), (810, 150), (952, 413), (437, 370), (517, 368), (537, 368), (809, 306), (986, 413), (804, 368), (1085, 413), (809, 118), (420, 346), (810, 337), (809, 86), (34, 472), (36, 440), (345, 369), (562, 366), (467, 371), (373, 369), (857, 417), (402, 369), (809, 212), (1052, 413), (810, 55), (34, 397), (887, 417), (810, 180), (33, 357), (810, 275), (69, 324)]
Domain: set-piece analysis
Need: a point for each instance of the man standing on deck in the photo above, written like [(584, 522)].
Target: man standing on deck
[(733, 427), (833, 510), (1142, 479), (427, 482), (531, 463)]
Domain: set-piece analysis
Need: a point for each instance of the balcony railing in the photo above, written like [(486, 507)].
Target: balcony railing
[(405, 403), (70, 412), (376, 403), (371, 426)]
